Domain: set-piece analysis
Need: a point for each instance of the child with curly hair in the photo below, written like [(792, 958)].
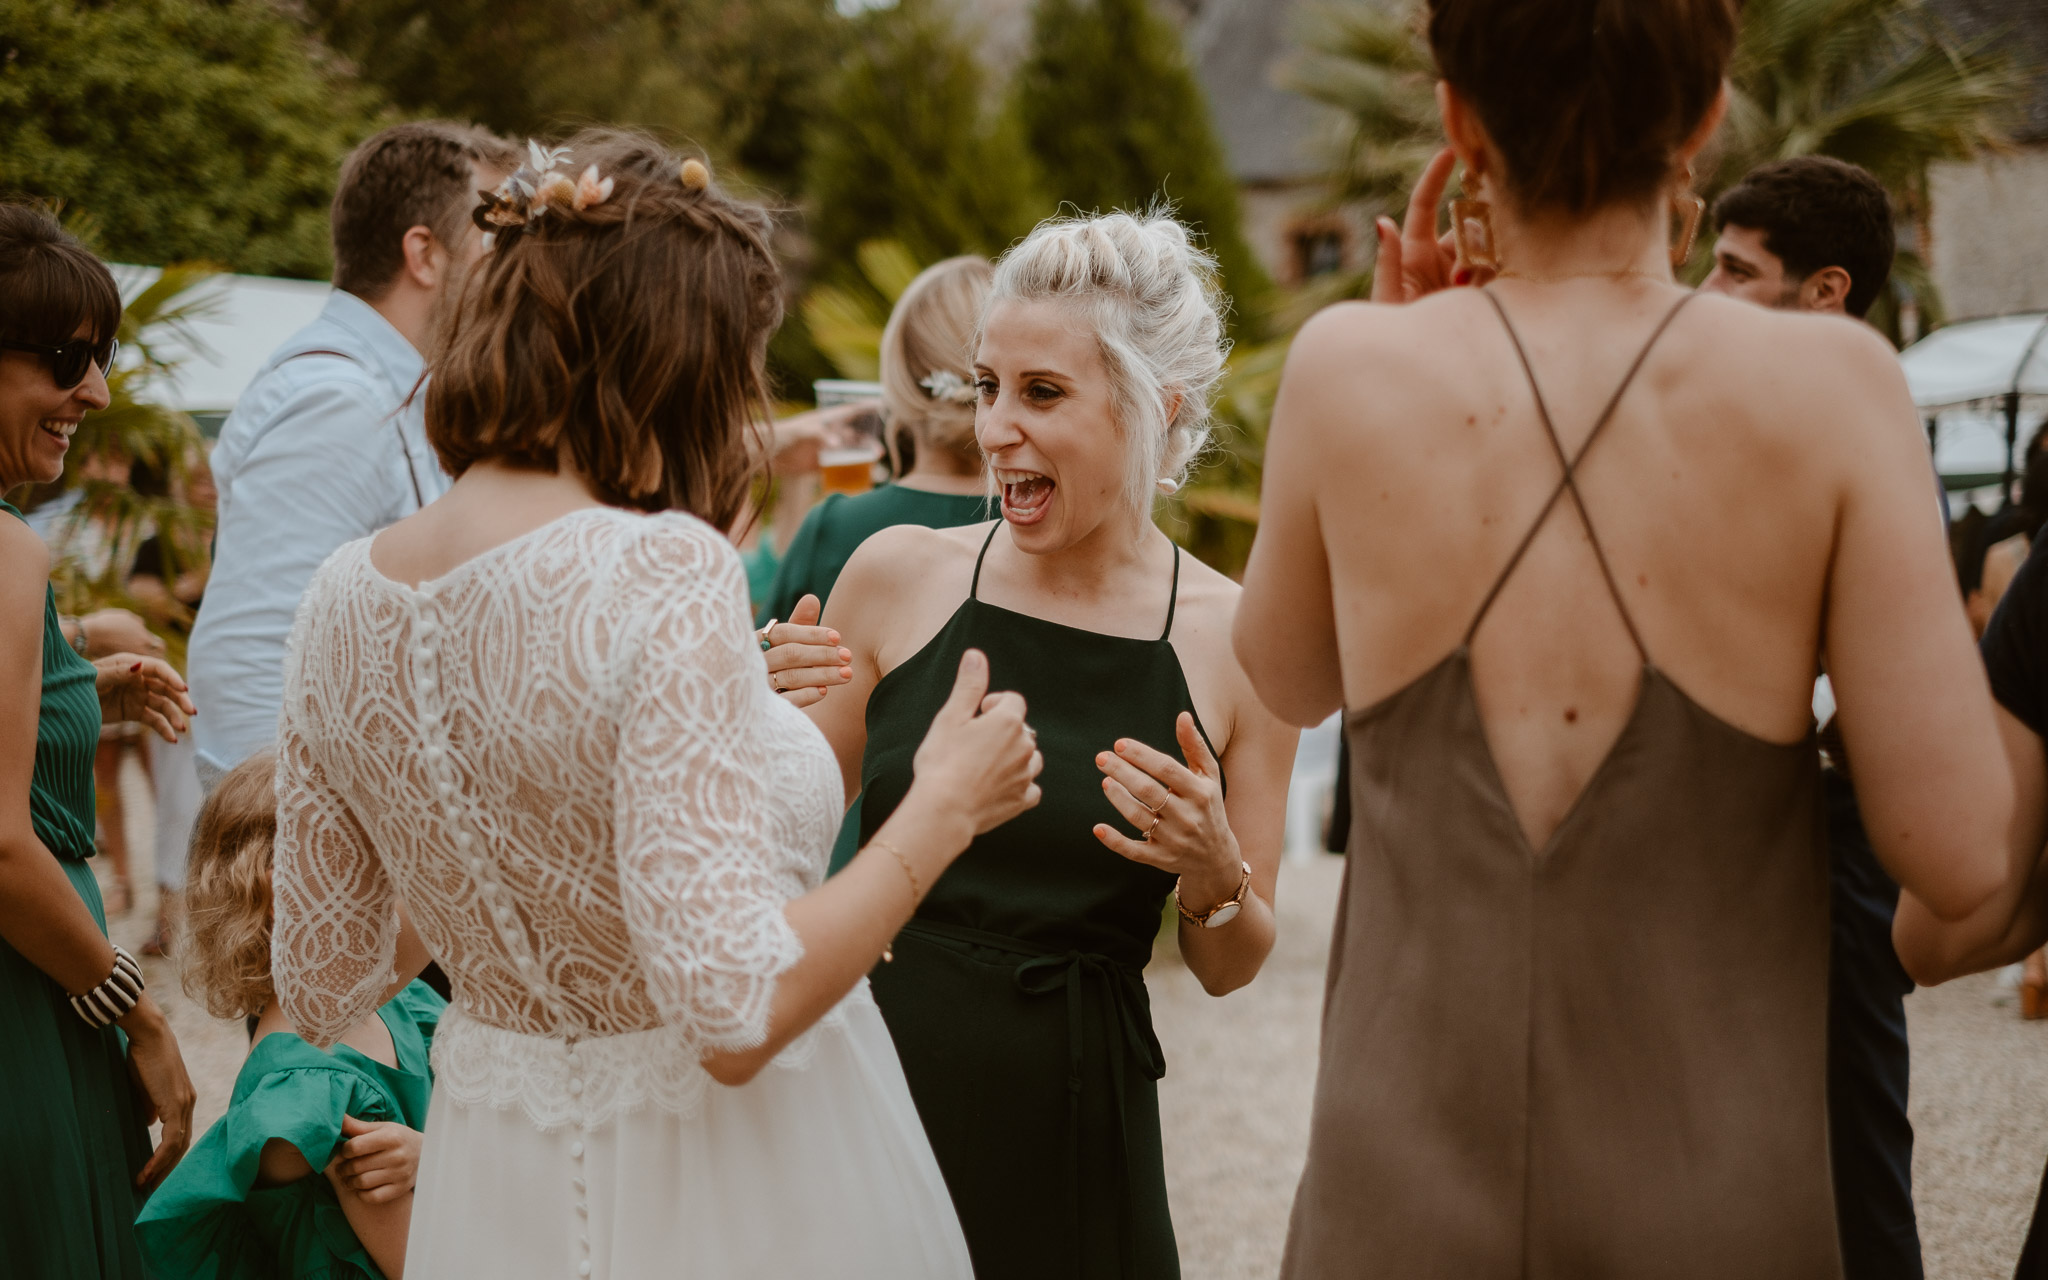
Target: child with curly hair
[(310, 1173)]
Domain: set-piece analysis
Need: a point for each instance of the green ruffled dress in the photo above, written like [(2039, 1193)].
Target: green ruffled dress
[(71, 1139), (209, 1220)]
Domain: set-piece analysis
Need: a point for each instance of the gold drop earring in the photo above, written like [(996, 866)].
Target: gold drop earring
[(1472, 233), (1689, 209)]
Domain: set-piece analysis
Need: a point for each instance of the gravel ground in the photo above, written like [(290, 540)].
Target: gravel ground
[(1241, 1071)]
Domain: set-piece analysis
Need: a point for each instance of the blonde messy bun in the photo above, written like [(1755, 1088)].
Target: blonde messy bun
[(1151, 296), (928, 354)]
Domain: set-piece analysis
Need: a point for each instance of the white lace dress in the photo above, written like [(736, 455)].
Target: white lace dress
[(565, 758)]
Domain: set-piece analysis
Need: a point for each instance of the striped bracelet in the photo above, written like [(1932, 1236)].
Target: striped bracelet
[(112, 999)]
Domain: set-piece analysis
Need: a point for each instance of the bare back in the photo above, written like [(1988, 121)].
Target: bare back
[(1759, 467)]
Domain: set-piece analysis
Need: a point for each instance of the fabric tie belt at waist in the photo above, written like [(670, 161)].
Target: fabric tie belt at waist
[(1127, 1032)]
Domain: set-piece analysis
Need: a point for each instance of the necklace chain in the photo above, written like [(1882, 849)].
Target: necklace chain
[(1617, 276)]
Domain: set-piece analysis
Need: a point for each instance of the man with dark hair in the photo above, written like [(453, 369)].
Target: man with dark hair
[(1807, 234), (328, 444), (1815, 234)]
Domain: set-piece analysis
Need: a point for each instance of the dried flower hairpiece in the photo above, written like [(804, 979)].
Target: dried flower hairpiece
[(694, 174), (944, 384), (537, 186)]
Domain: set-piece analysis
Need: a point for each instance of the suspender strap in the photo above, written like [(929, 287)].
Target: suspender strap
[(974, 588), (412, 473), (1173, 596)]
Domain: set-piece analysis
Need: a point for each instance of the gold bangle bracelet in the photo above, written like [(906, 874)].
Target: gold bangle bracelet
[(916, 890)]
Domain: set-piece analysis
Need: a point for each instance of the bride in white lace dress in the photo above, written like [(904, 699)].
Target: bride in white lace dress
[(537, 715)]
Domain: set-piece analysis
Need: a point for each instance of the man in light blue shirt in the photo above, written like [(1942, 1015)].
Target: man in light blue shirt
[(328, 444)]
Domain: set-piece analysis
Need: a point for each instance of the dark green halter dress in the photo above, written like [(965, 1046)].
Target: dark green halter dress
[(1017, 996), (71, 1141)]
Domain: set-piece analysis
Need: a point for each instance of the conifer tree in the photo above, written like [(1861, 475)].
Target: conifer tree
[(1114, 116), (906, 149)]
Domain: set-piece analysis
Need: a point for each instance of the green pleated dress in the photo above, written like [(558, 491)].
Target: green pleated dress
[(71, 1138), (210, 1221), (1017, 995)]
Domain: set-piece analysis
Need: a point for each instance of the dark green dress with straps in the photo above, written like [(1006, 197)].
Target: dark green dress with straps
[(71, 1141), (1017, 996)]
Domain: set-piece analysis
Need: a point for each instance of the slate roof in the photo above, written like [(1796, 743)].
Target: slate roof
[(2021, 25), (1238, 48)]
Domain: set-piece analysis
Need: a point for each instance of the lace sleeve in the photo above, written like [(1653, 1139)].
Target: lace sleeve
[(699, 863), (334, 935)]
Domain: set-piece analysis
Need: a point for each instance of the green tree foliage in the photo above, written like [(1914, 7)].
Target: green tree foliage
[(740, 77), (904, 149), (186, 129), (1116, 119), (1880, 83)]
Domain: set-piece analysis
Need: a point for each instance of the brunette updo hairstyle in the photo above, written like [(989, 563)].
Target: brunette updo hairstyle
[(1586, 99), (632, 331)]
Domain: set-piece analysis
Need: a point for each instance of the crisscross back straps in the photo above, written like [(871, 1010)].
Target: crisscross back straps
[(1568, 481)]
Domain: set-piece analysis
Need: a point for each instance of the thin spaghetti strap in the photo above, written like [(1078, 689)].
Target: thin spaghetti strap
[(1568, 481), (1172, 596), (974, 588)]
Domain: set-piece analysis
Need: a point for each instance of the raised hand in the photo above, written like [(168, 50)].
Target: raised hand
[(980, 757), (149, 690), (1178, 807), (1415, 259), (805, 659)]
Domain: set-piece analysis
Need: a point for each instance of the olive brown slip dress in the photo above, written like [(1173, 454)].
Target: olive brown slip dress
[(1600, 1059)]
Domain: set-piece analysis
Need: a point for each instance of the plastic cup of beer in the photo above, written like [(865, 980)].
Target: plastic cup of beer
[(849, 469)]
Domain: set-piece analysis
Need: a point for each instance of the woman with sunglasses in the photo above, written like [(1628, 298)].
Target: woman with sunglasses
[(76, 1096)]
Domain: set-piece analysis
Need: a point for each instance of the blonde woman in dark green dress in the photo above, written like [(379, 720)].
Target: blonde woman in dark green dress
[(86, 1058), (1016, 995)]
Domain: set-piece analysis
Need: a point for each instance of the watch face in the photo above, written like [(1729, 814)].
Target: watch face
[(1223, 915)]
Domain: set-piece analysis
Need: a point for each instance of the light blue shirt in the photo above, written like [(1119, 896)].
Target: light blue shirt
[(327, 445)]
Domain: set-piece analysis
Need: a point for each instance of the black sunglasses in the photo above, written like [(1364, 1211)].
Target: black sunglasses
[(68, 361)]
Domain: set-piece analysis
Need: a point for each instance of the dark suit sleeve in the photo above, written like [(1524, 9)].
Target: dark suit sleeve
[(2015, 645)]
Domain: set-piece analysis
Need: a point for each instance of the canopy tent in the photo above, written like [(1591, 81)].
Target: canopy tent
[(1977, 383), (239, 321)]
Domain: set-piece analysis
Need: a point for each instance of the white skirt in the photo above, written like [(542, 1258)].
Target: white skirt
[(817, 1167)]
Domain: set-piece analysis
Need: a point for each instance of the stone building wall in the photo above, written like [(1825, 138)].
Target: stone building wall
[(1990, 231)]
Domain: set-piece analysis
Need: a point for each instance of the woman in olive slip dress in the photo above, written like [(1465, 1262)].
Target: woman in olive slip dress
[(1575, 1026), (1016, 995)]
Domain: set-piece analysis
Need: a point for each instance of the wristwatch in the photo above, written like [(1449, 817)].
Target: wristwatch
[(1223, 912), (78, 636)]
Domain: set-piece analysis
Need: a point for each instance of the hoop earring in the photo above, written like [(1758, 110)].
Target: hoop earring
[(1689, 208), (1475, 251)]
